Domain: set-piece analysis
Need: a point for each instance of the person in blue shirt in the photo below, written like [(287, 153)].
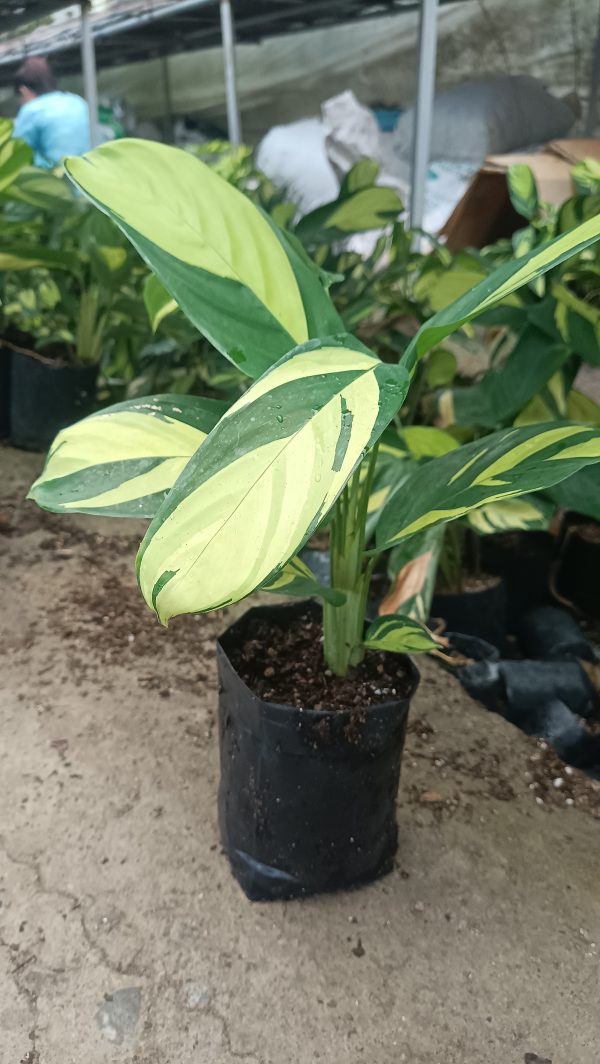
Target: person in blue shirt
[(53, 123)]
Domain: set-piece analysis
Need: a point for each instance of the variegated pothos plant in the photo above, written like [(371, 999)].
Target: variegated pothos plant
[(234, 493)]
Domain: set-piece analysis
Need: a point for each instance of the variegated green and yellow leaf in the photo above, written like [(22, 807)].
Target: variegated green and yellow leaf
[(513, 462), (578, 323), (501, 393), (15, 155), (498, 285), (398, 451), (219, 257), (42, 189), (296, 579), (581, 408), (522, 190), (524, 513), (122, 461), (266, 476), (159, 304), (400, 635)]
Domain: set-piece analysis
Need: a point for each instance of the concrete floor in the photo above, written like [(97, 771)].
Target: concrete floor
[(124, 938)]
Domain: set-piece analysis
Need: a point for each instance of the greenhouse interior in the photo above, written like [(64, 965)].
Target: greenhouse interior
[(300, 524)]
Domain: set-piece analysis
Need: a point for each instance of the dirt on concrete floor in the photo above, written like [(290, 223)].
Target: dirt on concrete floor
[(124, 938)]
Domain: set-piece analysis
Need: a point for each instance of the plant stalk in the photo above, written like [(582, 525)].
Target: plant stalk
[(343, 626)]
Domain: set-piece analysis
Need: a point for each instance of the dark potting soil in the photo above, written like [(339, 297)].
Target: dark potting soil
[(469, 582), (286, 665), (588, 531)]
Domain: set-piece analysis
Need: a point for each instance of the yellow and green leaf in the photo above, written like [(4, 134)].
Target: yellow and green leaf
[(400, 635), (522, 190), (295, 578), (498, 285), (220, 258), (501, 393), (266, 477), (525, 513), (513, 462), (360, 206), (15, 155), (122, 461), (159, 304)]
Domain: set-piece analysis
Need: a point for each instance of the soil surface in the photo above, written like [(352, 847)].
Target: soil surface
[(124, 938), (470, 583), (286, 665)]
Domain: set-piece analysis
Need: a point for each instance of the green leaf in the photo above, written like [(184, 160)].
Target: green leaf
[(441, 368), (362, 175), (425, 441), (122, 461), (580, 492), (26, 257), (498, 285), (501, 393), (441, 287), (551, 403), (583, 409), (296, 579), (586, 176), (15, 155), (526, 513), (512, 462), (216, 254), (400, 635), (578, 323), (43, 190), (266, 476), (361, 205), (522, 190), (159, 304)]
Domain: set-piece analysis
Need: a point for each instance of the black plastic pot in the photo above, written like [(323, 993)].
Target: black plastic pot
[(307, 798), (5, 361), (576, 577), (523, 560), (477, 613), (550, 633), (530, 684), (480, 677), (45, 398)]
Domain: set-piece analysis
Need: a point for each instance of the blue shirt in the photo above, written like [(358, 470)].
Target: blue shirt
[(54, 124)]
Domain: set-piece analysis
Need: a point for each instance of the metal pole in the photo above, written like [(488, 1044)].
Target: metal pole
[(228, 34), (423, 110), (88, 63), (592, 114)]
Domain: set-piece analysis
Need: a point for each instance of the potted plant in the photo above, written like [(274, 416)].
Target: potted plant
[(311, 732), (15, 155), (64, 271)]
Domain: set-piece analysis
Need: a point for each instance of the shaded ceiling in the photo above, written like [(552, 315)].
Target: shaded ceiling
[(132, 30)]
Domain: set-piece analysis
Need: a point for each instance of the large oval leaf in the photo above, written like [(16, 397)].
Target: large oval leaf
[(507, 463), (266, 476), (216, 254), (122, 461)]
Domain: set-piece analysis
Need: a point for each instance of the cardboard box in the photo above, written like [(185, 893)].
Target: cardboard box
[(485, 213)]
